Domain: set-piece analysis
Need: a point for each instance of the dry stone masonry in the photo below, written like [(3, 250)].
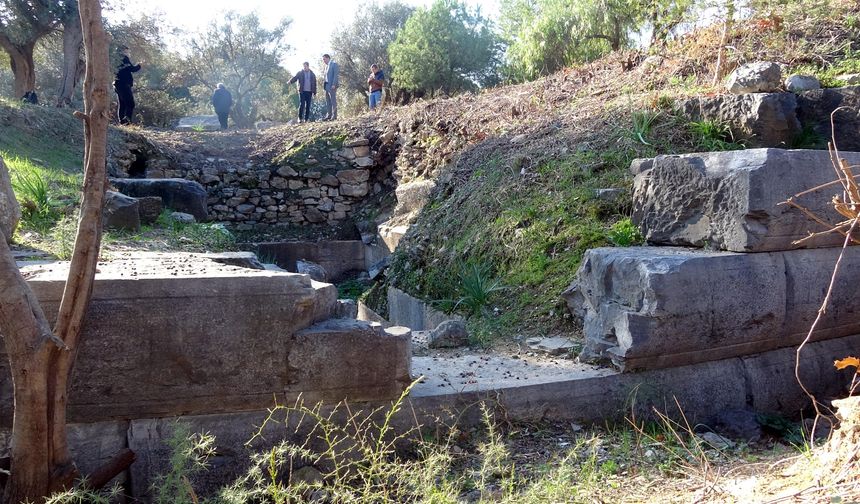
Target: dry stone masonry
[(656, 307)]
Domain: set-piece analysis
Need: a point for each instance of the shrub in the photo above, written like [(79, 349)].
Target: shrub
[(712, 136), (624, 233)]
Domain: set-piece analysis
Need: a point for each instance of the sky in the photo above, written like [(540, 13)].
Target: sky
[(309, 34)]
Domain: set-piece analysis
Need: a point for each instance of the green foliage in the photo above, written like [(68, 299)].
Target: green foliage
[(45, 195), (83, 495), (624, 233), (365, 40), (642, 122), (352, 289), (445, 48), (808, 138), (188, 455), (241, 53), (547, 35), (710, 136), (209, 237), (476, 287)]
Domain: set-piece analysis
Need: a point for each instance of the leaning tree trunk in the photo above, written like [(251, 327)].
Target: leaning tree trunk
[(42, 360), (73, 66), (21, 64)]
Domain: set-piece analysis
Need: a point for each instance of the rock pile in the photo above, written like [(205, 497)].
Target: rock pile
[(665, 306)]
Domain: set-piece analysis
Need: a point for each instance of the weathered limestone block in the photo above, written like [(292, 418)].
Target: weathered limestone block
[(755, 77), (653, 307), (150, 208), (120, 212), (814, 109), (731, 200), (173, 334), (353, 177), (10, 211), (179, 194), (413, 196), (759, 119), (349, 358)]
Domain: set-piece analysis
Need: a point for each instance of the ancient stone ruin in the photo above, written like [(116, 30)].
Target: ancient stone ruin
[(748, 287)]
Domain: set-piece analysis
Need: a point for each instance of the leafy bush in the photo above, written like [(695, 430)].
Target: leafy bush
[(624, 233)]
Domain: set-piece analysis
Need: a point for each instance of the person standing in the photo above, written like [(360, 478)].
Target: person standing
[(222, 100), (375, 82), (332, 80), (307, 83), (123, 85)]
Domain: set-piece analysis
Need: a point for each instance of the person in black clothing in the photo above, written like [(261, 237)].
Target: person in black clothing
[(123, 85), (222, 100), (307, 89)]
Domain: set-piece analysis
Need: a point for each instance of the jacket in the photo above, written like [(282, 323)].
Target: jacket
[(376, 81), (222, 100), (332, 75), (123, 73), (300, 78)]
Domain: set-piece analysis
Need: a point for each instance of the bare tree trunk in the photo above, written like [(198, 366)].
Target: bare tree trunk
[(73, 66), (21, 64), (41, 360), (719, 73)]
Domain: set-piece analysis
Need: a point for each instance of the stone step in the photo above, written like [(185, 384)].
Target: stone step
[(731, 200), (657, 307), (176, 334)]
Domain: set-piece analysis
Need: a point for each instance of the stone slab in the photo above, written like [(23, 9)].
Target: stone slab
[(656, 307), (408, 311), (453, 389), (199, 123), (732, 200), (176, 193), (337, 257), (170, 334)]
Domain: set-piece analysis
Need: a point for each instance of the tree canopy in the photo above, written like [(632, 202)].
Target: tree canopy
[(365, 41), (446, 48), (242, 54)]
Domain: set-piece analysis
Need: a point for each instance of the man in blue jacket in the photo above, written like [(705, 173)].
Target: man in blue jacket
[(222, 100), (332, 80), (307, 83)]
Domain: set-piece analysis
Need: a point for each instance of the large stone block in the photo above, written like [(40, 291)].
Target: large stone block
[(179, 194), (814, 108), (121, 212), (654, 307), (175, 334), (338, 257), (413, 196), (10, 211), (731, 200), (759, 119)]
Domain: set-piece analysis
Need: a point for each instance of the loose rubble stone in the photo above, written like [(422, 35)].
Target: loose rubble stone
[(182, 218), (449, 334), (364, 162), (758, 77), (655, 307), (555, 345), (799, 83), (313, 270), (10, 211), (413, 196), (736, 424), (358, 142), (733, 200), (120, 212), (849, 79)]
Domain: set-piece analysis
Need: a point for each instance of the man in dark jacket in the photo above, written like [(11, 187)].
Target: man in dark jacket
[(123, 84), (222, 100), (374, 83), (307, 83)]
